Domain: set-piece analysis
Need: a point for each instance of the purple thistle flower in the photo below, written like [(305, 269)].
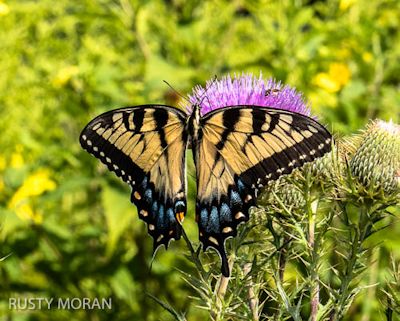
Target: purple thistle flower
[(247, 90)]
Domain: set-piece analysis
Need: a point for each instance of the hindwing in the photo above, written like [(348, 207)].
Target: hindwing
[(240, 149), (145, 146)]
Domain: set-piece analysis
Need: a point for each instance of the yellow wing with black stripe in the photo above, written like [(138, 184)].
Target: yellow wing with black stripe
[(145, 146), (239, 150)]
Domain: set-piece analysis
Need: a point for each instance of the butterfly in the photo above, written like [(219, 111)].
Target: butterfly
[(236, 149)]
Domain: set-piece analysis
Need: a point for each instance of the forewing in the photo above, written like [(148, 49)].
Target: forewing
[(145, 146), (240, 150)]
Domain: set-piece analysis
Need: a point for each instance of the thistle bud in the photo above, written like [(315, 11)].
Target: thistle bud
[(326, 167), (293, 197), (376, 162), (282, 191)]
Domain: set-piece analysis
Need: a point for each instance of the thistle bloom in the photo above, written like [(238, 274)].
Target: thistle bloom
[(247, 90), (376, 162)]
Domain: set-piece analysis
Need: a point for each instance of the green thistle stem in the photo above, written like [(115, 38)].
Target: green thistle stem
[(367, 307), (193, 254), (283, 257), (253, 299), (358, 234), (313, 246), (221, 288)]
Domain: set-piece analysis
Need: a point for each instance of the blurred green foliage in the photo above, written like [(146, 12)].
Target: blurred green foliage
[(67, 225)]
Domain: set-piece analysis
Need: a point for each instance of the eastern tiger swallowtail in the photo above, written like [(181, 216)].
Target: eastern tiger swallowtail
[(236, 150)]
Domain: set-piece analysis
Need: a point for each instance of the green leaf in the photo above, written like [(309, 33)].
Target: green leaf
[(124, 286), (119, 213)]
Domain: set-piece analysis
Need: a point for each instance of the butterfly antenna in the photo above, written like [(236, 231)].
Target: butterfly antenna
[(176, 92), (204, 95)]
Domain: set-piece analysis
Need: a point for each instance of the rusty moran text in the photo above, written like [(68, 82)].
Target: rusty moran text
[(42, 303)]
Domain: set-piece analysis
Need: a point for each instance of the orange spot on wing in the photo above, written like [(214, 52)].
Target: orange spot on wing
[(180, 217)]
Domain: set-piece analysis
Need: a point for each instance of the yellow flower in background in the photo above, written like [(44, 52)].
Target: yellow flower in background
[(388, 18), (345, 4), (324, 81), (321, 98), (343, 53), (17, 158), (35, 185), (4, 9), (3, 163), (335, 79), (367, 57), (26, 213), (64, 75)]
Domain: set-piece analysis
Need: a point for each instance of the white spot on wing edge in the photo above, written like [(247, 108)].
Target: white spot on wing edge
[(213, 240), (227, 229), (239, 215)]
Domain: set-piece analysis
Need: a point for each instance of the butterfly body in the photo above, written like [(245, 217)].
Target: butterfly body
[(236, 151)]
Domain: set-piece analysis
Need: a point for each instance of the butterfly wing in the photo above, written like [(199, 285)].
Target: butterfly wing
[(240, 150), (145, 146)]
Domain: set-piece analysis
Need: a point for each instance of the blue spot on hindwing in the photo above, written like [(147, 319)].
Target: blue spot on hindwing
[(240, 186), (235, 199), (213, 222), (179, 206), (170, 216), (144, 182), (154, 209), (226, 214), (161, 217), (204, 217), (148, 196)]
